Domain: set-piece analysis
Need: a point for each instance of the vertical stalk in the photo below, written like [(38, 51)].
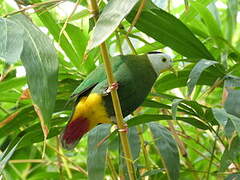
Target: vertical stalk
[(116, 103), (145, 153)]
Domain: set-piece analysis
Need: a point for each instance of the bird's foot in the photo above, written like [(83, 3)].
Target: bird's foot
[(114, 86), (123, 129)]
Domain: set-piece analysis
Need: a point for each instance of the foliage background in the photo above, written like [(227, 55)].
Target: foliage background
[(187, 128)]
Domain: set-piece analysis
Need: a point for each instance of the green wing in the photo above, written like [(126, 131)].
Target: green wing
[(95, 77)]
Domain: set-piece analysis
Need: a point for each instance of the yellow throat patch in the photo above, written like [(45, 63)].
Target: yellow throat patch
[(92, 108)]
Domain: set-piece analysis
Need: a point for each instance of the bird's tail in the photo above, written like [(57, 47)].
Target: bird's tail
[(73, 132)]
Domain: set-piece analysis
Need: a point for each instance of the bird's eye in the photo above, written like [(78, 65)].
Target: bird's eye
[(164, 60)]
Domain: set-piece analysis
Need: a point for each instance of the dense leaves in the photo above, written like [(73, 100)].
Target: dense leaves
[(188, 126)]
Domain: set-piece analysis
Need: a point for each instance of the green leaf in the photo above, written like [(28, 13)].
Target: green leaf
[(155, 104), (12, 83), (97, 154), (40, 61), (54, 28), (174, 107), (145, 118), (230, 154), (170, 81), (11, 40), (134, 143), (7, 154), (191, 13), (110, 18), (232, 12), (220, 115), (211, 23), (196, 73), (236, 123), (167, 148), (162, 26), (232, 103), (21, 117)]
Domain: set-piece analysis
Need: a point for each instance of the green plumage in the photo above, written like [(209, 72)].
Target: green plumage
[(135, 76)]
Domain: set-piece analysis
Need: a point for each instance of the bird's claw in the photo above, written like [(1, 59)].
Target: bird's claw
[(114, 86), (123, 129)]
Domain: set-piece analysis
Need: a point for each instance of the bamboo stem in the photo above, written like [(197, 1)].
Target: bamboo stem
[(137, 16), (116, 103)]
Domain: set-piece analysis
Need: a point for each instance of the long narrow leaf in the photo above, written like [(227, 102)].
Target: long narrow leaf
[(11, 40), (196, 73), (41, 64), (97, 154), (162, 26), (110, 18), (167, 148)]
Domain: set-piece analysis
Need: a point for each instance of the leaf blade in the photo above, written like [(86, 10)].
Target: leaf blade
[(167, 148), (110, 18)]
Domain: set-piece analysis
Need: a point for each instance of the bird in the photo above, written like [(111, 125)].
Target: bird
[(135, 76)]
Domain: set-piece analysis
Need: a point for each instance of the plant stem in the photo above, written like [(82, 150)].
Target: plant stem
[(116, 103), (145, 153), (114, 174), (119, 43), (212, 154), (137, 16)]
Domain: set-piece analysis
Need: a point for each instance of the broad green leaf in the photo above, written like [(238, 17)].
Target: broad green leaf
[(97, 154), (170, 81), (232, 12), (230, 154), (11, 40), (36, 136), (9, 96), (149, 47), (229, 129), (215, 13), (192, 107), (196, 73), (134, 143), (211, 23), (145, 118), (232, 104), (12, 83), (54, 28), (191, 13), (220, 115), (155, 104), (174, 107), (7, 154), (19, 118), (40, 61), (162, 26), (110, 18), (236, 123), (79, 39), (167, 148)]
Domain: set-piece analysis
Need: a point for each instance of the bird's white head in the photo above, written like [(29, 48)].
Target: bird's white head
[(160, 61)]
